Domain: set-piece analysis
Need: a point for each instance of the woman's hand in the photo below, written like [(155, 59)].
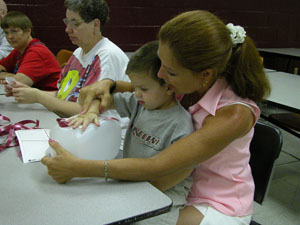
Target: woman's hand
[(25, 94), (22, 92), (8, 90), (60, 167), (84, 120), (99, 90)]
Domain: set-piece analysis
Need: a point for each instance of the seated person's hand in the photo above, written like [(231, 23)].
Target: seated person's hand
[(9, 82), (100, 90), (84, 120), (8, 90), (25, 94), (3, 81), (16, 84)]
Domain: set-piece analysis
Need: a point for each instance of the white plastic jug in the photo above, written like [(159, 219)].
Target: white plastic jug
[(95, 143)]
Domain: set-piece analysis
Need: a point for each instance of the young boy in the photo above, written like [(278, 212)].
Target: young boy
[(156, 121)]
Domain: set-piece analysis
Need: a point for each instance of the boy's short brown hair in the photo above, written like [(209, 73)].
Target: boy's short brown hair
[(146, 60)]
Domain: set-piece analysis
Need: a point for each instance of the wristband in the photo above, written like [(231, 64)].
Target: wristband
[(113, 87)]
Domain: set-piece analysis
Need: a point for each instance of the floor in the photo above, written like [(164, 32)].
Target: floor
[(282, 203)]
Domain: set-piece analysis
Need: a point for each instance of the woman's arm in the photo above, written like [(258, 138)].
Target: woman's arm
[(21, 77), (123, 86), (101, 90), (166, 182), (229, 123), (48, 99)]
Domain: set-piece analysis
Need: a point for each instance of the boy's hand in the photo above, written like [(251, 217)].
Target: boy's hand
[(84, 120)]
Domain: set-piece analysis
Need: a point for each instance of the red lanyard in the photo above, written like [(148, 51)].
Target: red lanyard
[(9, 130)]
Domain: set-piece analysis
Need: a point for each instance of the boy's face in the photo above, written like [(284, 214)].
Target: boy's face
[(150, 93)]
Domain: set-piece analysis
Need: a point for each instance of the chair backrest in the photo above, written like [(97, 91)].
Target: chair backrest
[(63, 56), (264, 148)]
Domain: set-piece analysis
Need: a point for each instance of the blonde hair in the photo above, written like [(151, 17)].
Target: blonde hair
[(3, 5), (199, 40)]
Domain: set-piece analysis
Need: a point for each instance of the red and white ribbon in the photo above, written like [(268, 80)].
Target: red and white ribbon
[(9, 131)]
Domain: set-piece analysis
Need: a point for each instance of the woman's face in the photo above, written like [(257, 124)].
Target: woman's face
[(17, 38), (79, 32), (180, 79)]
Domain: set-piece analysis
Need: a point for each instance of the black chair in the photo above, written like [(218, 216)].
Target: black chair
[(264, 148)]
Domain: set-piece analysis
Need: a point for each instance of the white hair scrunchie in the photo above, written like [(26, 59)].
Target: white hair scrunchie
[(237, 34)]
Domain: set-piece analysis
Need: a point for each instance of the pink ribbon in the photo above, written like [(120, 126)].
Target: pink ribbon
[(110, 118), (10, 131)]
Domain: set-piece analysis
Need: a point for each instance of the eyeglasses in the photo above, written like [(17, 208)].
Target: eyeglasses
[(73, 23), (12, 32)]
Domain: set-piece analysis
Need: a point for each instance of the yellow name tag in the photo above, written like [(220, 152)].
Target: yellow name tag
[(67, 84)]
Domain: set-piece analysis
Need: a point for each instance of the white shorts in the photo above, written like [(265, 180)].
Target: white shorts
[(214, 217)]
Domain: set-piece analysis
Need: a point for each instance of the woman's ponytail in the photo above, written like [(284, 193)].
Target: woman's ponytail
[(245, 72)]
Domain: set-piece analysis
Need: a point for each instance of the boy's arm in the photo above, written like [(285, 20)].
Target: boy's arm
[(91, 116), (97, 108)]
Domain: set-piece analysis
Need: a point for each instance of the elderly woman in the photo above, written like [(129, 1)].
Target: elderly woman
[(97, 58), (31, 62)]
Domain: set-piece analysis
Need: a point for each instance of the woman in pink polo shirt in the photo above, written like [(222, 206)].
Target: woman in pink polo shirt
[(218, 69)]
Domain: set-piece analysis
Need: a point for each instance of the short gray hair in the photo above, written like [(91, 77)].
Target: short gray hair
[(90, 10)]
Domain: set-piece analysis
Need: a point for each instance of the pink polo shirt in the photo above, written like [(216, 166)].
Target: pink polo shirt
[(224, 181)]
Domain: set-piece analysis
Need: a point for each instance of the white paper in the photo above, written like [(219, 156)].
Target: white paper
[(33, 144), (10, 81)]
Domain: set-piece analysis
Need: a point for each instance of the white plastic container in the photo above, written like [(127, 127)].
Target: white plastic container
[(95, 143)]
